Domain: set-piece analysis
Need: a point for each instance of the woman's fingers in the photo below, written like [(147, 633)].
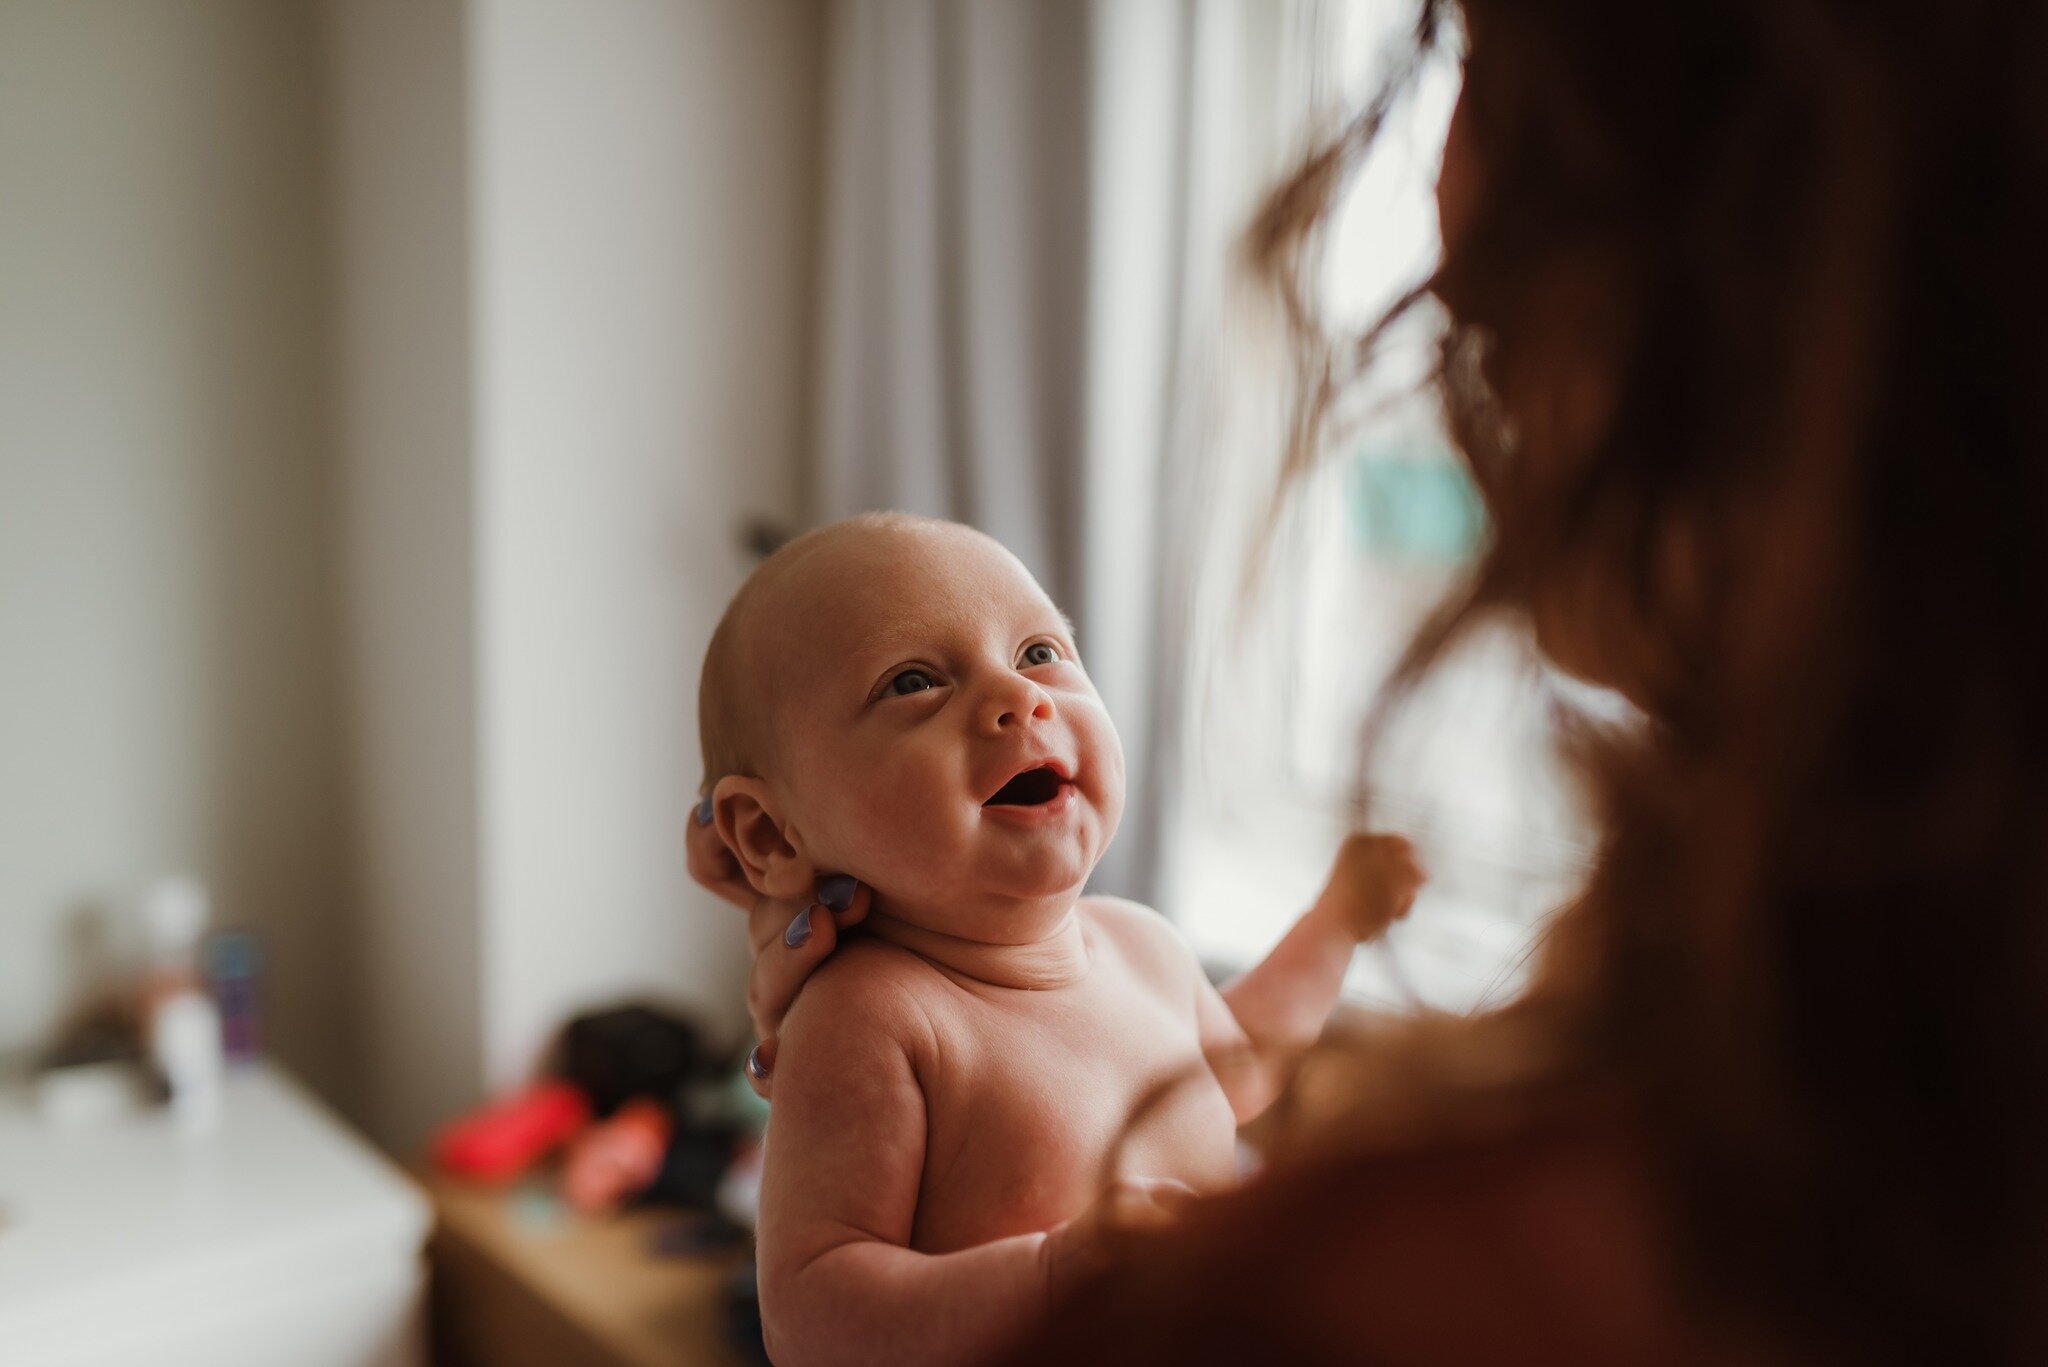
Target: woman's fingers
[(789, 939), (1141, 1203), (781, 965), (760, 1069), (1128, 1205), (846, 897), (712, 865), (789, 942)]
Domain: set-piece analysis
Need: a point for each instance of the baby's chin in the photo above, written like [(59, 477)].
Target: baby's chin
[(1050, 870), (998, 922), (1004, 906)]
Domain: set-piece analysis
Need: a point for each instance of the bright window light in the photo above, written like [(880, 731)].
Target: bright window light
[(1374, 541)]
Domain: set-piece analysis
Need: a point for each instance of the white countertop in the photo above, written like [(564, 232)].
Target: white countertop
[(128, 1228)]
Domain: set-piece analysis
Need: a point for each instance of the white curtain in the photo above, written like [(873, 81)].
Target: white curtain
[(1030, 218)]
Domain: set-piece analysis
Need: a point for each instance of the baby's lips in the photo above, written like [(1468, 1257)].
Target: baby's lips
[(1068, 773)]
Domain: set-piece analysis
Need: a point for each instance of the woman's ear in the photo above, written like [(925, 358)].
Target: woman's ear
[(754, 827)]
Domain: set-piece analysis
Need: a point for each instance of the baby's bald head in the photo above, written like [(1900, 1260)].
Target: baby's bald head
[(761, 640), (871, 690)]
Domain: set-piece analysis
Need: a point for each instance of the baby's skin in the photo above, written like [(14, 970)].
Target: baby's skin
[(998, 1068)]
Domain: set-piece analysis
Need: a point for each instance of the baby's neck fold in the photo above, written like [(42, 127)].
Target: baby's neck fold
[(1061, 959)]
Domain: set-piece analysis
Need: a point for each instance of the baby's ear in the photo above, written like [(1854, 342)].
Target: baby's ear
[(753, 826)]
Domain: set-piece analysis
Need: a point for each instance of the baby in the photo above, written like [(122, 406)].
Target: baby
[(896, 698)]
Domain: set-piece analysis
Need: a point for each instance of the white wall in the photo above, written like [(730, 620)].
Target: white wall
[(645, 181), (400, 151), (576, 254), (381, 384), (167, 657)]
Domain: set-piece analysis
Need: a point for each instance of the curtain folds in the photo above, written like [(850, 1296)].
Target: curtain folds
[(1031, 207)]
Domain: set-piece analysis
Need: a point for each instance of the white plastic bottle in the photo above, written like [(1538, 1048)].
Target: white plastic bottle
[(180, 1023)]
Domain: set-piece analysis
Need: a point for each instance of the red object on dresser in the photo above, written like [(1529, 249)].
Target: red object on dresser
[(503, 1138)]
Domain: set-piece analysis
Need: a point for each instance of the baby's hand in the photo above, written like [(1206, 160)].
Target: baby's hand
[(1372, 885)]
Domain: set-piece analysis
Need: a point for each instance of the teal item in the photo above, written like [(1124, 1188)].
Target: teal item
[(1415, 503), (749, 1110), (536, 1209)]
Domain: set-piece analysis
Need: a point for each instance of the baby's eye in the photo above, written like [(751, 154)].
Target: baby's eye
[(912, 681), (1041, 653)]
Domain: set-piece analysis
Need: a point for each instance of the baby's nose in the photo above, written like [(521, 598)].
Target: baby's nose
[(1015, 701)]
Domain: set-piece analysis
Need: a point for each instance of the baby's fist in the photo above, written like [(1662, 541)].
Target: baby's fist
[(1372, 884)]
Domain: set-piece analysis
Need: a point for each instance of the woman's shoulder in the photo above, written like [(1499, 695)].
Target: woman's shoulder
[(1534, 1244)]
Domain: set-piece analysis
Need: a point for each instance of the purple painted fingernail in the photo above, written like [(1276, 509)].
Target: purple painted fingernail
[(704, 811), (799, 929), (755, 1068), (837, 891)]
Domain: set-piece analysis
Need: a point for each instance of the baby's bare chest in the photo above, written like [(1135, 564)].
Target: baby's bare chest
[(1042, 1095)]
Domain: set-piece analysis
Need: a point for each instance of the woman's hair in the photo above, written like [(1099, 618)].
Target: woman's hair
[(1749, 332)]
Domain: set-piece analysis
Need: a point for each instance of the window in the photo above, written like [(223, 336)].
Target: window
[(1282, 680)]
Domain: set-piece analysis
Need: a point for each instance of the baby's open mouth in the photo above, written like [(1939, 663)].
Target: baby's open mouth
[(1028, 789)]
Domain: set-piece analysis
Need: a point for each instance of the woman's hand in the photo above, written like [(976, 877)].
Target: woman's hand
[(788, 939), (1088, 1243)]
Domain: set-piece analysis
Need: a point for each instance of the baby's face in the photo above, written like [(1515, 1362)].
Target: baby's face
[(927, 671)]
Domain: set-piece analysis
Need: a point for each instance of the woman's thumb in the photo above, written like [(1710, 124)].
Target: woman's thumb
[(1147, 1202)]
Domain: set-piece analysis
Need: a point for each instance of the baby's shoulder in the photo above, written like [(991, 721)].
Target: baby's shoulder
[(868, 987), (1144, 937)]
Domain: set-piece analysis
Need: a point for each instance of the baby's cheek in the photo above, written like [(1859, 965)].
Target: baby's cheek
[(893, 826), (1108, 753)]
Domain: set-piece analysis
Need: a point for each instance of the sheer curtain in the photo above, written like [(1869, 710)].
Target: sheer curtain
[(1031, 214)]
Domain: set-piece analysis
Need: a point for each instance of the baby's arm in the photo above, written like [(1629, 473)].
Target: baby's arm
[(845, 1156), (1260, 1022)]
